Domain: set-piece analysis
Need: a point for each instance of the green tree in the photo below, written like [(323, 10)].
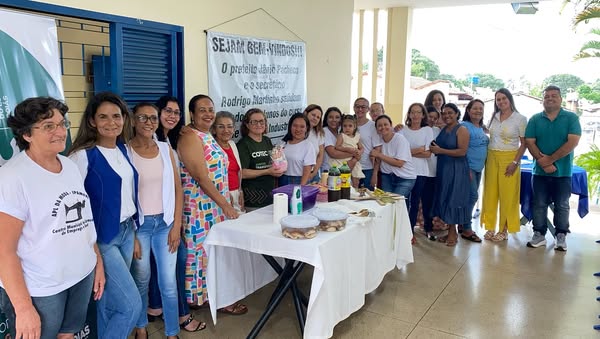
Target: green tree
[(460, 84), (588, 93), (489, 81), (563, 81), (424, 67)]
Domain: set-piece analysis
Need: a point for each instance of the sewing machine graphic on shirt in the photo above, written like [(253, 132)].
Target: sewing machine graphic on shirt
[(77, 207)]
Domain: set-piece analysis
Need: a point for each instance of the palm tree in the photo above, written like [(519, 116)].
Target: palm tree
[(586, 11), (590, 49), (590, 161)]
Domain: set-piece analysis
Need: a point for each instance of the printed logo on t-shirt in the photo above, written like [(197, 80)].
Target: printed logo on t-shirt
[(72, 204)]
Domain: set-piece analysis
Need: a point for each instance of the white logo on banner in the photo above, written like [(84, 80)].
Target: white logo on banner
[(246, 73)]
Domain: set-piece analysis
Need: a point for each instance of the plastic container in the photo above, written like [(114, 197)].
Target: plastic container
[(309, 195), (330, 220), (299, 226)]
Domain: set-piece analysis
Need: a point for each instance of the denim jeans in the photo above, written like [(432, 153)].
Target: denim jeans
[(395, 184), (154, 299), (288, 179), (427, 201), (475, 180), (416, 195), (120, 305), (366, 181), (547, 190), (64, 312), (153, 235)]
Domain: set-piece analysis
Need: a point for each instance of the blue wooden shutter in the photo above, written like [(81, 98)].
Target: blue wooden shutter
[(146, 62)]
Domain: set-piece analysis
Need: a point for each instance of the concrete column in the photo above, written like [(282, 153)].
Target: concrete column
[(398, 59)]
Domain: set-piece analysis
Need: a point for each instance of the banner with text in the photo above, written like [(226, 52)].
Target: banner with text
[(29, 67), (245, 72)]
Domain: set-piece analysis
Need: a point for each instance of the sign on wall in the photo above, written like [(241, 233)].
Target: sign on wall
[(29, 67), (245, 72)]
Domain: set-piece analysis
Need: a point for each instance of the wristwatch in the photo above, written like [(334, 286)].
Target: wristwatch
[(516, 163)]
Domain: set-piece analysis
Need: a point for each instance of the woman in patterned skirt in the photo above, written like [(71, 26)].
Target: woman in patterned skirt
[(206, 198)]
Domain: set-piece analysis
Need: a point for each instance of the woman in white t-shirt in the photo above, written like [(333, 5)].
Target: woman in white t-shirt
[(419, 136), (398, 173), (298, 151), (111, 181), (49, 260), (316, 136)]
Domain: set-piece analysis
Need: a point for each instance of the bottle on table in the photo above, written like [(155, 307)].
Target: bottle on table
[(296, 200), (345, 174), (333, 184)]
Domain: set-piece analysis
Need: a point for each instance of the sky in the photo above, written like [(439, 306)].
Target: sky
[(493, 39)]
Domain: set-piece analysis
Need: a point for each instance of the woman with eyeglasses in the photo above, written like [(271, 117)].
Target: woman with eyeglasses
[(50, 264), (161, 200), (111, 181), (223, 130), (258, 174), (169, 127), (206, 192)]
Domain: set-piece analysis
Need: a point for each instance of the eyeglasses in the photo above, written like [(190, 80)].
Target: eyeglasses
[(361, 107), (257, 122), (144, 118), (221, 126), (170, 111), (50, 127)]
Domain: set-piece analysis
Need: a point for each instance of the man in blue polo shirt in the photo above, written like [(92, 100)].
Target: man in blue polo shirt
[(551, 136)]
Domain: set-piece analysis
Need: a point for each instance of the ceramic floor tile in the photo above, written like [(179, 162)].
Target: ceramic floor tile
[(365, 324), (421, 332)]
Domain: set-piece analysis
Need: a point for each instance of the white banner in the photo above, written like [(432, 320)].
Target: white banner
[(29, 67), (245, 72)]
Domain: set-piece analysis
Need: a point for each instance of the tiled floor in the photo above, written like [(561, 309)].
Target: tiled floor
[(486, 290)]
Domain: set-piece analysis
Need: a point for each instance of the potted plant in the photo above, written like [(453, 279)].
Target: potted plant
[(590, 161)]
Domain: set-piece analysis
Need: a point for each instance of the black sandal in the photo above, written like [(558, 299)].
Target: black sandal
[(472, 237), (188, 321)]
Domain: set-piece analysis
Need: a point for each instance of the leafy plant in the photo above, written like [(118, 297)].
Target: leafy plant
[(590, 161)]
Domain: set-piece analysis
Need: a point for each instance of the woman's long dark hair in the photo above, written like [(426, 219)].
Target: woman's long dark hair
[(289, 136), (173, 134)]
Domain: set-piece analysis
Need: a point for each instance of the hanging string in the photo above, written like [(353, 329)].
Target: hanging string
[(252, 12)]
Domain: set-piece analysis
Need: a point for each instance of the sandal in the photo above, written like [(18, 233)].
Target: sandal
[(451, 242), (185, 323), (500, 236), (471, 237), (488, 235), (235, 309), (431, 236), (413, 241), (443, 238)]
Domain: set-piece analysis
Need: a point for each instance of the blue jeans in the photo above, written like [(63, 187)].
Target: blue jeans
[(366, 181), (395, 184), (154, 299), (427, 201), (416, 195), (547, 190), (475, 180), (153, 235), (288, 179), (120, 305), (64, 312)]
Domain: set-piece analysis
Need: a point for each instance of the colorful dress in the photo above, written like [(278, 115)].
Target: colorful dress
[(200, 213)]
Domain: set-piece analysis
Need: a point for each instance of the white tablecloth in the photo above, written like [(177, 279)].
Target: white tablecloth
[(347, 264)]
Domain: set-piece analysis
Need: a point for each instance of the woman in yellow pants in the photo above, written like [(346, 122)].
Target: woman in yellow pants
[(502, 180)]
